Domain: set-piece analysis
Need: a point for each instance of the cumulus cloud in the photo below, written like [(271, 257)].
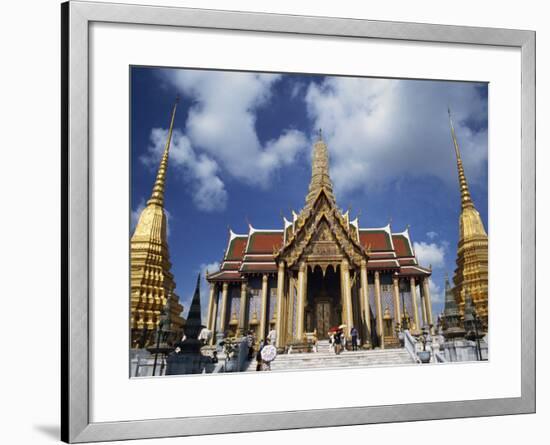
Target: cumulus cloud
[(221, 122), (436, 293), (432, 235), (379, 130), (200, 170), (430, 253)]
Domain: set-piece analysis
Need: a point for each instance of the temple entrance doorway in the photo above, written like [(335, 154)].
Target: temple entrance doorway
[(323, 316), (324, 308)]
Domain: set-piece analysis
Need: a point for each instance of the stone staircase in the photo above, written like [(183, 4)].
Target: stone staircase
[(324, 358)]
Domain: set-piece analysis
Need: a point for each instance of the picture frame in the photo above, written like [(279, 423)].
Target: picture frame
[(76, 240)]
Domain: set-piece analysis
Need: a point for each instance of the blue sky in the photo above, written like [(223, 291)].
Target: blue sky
[(242, 152)]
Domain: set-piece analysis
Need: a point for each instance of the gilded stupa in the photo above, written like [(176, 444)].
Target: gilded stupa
[(151, 282), (471, 273)]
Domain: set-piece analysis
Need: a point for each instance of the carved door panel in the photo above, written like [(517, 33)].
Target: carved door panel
[(323, 311)]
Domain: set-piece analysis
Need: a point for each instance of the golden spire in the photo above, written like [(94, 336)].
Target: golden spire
[(157, 197), (466, 199), (320, 177), (151, 281), (471, 273)]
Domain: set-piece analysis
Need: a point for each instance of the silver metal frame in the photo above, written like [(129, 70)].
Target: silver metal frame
[(76, 18)]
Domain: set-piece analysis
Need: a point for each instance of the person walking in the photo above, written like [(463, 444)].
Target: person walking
[(272, 337), (354, 335), (338, 342), (250, 343), (259, 357)]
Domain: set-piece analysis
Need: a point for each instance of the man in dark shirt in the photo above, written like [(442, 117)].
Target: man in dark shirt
[(354, 335), (338, 342)]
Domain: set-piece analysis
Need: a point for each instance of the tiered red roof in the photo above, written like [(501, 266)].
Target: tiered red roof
[(253, 253)]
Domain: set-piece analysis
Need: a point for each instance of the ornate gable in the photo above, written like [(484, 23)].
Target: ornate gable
[(322, 236)]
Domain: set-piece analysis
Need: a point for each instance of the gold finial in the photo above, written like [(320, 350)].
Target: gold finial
[(465, 196), (157, 197), (320, 177)]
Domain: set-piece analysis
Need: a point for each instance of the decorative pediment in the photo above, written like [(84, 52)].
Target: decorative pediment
[(321, 231)]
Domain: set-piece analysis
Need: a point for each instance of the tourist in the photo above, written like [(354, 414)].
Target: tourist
[(354, 335), (250, 340), (259, 357), (272, 337), (331, 341), (338, 342), (214, 356)]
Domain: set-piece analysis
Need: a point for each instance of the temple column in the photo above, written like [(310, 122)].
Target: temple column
[(428, 301), (223, 314), (214, 316), (365, 300), (414, 303), (300, 313), (289, 329), (378, 302), (346, 295), (280, 311), (396, 307), (423, 307), (263, 312), (210, 304), (242, 309)]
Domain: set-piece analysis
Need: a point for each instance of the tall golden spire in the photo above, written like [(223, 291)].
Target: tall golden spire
[(471, 273), (466, 199), (152, 284), (157, 197), (320, 177)]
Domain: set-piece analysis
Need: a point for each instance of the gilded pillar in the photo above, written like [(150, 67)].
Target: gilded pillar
[(263, 312), (242, 309), (428, 301), (280, 309), (378, 302), (210, 303), (223, 314), (415, 304), (214, 316), (365, 300), (346, 287), (396, 305), (423, 307), (302, 277), (289, 320)]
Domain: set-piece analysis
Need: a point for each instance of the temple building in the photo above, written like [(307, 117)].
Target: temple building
[(471, 273), (319, 270), (151, 282)]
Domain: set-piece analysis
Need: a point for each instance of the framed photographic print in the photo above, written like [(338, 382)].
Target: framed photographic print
[(261, 204)]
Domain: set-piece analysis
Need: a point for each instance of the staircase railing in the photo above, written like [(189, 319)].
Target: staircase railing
[(410, 345)]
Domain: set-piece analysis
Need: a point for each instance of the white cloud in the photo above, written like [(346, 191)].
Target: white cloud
[(222, 118), (379, 130), (432, 235), (436, 293), (297, 89), (430, 253), (200, 171)]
